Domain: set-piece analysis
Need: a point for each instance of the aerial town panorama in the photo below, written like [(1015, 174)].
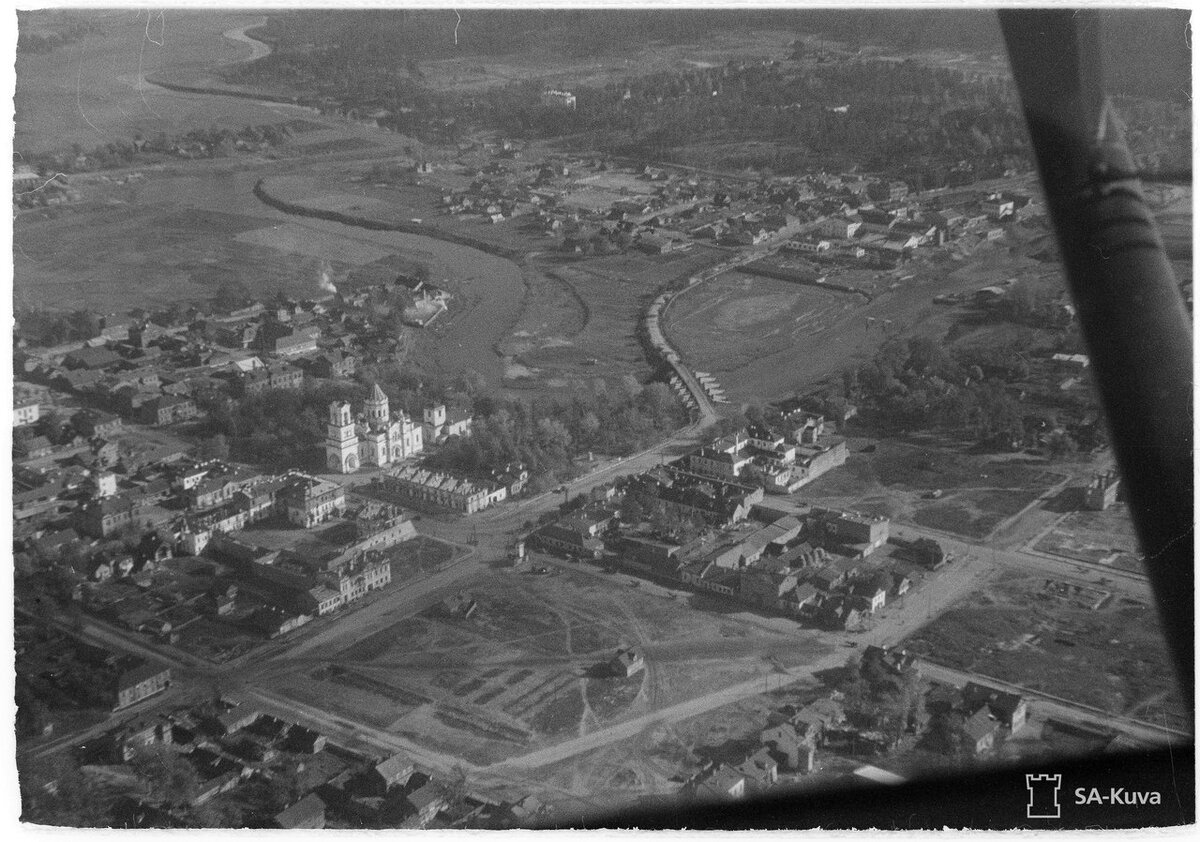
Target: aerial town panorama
[(487, 419)]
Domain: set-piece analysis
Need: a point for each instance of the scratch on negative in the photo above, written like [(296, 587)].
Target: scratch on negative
[(44, 186), (142, 52), (1170, 544)]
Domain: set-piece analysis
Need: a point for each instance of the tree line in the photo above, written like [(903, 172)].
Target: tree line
[(547, 435), (211, 142)]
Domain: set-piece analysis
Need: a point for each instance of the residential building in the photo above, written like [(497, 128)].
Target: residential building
[(1009, 709), (570, 537), (887, 191), (724, 459), (101, 518), (998, 206), (167, 409), (810, 244), (239, 333), (759, 767), (286, 339), (852, 529), (274, 376), (334, 365), (427, 801), (717, 502), (92, 359), (980, 730), (25, 412), (784, 744), (1102, 491), (309, 500), (306, 814), (841, 227), (433, 490), (139, 681), (626, 663), (34, 447), (558, 99), (391, 772), (721, 783), (95, 422)]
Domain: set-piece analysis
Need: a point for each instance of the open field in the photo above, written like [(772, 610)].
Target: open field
[(1098, 537), (155, 256), (978, 491), (520, 672), (737, 319), (581, 318), (1113, 658), (91, 93), (800, 335)]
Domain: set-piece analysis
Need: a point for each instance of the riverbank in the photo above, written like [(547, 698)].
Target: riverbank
[(410, 227)]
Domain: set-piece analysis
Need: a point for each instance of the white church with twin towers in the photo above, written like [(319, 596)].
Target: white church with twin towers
[(377, 437)]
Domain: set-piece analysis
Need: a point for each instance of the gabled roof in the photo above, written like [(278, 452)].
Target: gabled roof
[(427, 795), (980, 725), (136, 675), (302, 812), (396, 766), (997, 701)]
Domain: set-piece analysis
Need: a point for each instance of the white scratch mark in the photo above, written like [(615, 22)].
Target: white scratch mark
[(141, 80), (49, 181), (79, 94), (456, 25), (162, 29)]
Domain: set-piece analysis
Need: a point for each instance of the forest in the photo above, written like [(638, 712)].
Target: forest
[(848, 111), (548, 435), (918, 384)]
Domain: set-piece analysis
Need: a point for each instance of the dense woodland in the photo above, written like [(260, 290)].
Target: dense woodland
[(921, 384), (900, 115), (897, 115)]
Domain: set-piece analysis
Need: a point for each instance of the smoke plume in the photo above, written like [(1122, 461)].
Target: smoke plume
[(326, 283)]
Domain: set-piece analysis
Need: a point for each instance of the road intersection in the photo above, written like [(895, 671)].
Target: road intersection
[(486, 539)]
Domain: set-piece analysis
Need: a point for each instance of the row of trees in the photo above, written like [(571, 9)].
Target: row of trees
[(211, 142)]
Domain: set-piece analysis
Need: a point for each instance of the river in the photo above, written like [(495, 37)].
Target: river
[(258, 49), (488, 289)]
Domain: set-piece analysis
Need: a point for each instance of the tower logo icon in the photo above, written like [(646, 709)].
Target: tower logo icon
[(1043, 796)]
